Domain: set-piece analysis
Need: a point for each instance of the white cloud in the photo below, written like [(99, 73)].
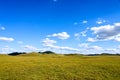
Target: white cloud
[(51, 44), (48, 42), (94, 48), (106, 32), (69, 48), (84, 21), (82, 33), (88, 47), (76, 34), (117, 38), (100, 21), (111, 50), (31, 48), (2, 28), (64, 48), (6, 39), (7, 50), (62, 35), (91, 39)]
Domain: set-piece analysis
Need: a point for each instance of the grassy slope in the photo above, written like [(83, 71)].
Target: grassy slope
[(54, 67)]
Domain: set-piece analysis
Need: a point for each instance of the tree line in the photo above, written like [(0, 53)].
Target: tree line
[(72, 54)]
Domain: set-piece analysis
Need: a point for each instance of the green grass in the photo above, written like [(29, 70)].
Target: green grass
[(59, 67)]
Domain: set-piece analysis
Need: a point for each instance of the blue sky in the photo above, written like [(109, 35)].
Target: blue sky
[(63, 26)]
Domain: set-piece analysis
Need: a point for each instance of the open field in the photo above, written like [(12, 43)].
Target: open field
[(59, 67)]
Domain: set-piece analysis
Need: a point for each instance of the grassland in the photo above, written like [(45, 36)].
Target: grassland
[(59, 67)]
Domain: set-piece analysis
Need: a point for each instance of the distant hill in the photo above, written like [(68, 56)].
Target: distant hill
[(47, 52), (16, 53)]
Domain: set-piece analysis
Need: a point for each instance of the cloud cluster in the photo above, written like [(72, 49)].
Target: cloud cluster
[(89, 39), (51, 44), (62, 35), (6, 39), (94, 48), (111, 50), (106, 32), (82, 22), (88, 47), (7, 50), (82, 33), (100, 21), (48, 42)]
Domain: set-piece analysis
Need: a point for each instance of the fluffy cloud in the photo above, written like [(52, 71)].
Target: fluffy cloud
[(86, 48), (2, 28), (91, 39), (51, 44), (106, 32), (62, 35), (48, 42), (6, 39), (31, 48)]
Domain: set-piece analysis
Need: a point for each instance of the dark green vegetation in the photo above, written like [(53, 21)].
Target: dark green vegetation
[(20, 53), (34, 66)]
